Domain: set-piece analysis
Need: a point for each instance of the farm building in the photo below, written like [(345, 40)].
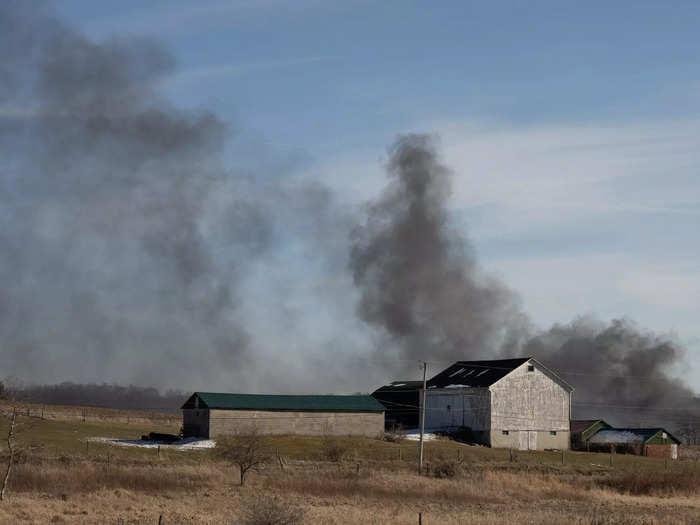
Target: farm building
[(656, 442), (583, 429), (210, 415), (516, 403), (400, 398)]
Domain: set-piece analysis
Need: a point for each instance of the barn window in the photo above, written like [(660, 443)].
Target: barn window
[(552, 432), (530, 368), (663, 435), (505, 432)]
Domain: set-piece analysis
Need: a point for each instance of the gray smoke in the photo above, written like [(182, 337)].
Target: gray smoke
[(124, 241), (619, 371), (418, 277), (422, 287)]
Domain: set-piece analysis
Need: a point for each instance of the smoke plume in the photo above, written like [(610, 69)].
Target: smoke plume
[(422, 287), (418, 277)]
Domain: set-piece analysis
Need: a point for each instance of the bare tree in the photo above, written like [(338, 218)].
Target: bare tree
[(11, 453), (248, 452)]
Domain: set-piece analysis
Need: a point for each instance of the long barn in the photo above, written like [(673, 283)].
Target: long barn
[(211, 415)]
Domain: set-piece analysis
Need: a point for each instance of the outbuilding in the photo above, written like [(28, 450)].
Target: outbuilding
[(400, 399), (582, 430), (211, 415), (655, 442)]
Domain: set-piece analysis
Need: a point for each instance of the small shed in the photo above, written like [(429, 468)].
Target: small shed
[(400, 399), (583, 429), (656, 442), (210, 415)]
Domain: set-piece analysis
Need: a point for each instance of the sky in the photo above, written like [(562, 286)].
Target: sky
[(571, 127)]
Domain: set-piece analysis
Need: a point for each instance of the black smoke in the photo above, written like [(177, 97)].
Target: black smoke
[(418, 276)]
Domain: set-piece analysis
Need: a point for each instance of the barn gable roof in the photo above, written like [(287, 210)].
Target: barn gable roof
[(483, 374), (317, 403), (475, 373)]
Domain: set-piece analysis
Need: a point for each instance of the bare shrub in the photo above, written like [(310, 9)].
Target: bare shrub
[(332, 449), (248, 452), (395, 434), (270, 510), (444, 468)]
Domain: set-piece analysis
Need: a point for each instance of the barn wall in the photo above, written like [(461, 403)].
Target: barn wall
[(530, 440), (452, 408), (530, 402), (195, 422), (228, 422), (661, 451)]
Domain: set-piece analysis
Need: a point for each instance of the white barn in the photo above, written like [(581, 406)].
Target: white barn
[(511, 403)]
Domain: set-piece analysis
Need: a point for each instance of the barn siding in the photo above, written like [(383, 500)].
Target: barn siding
[(229, 422), (452, 408), (530, 402), (195, 422)]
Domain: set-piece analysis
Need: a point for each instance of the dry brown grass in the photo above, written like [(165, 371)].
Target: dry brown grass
[(683, 482), (60, 481), (78, 478), (327, 494)]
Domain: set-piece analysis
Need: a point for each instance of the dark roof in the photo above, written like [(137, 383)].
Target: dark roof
[(628, 435), (581, 425), (475, 373), (400, 386), (285, 402)]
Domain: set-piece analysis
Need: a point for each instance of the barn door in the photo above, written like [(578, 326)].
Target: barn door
[(522, 440), (532, 440)]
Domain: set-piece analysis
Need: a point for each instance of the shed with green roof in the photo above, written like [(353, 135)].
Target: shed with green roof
[(213, 414)]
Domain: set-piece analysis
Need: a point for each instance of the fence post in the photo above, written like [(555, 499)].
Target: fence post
[(420, 518), (358, 469), (562, 457)]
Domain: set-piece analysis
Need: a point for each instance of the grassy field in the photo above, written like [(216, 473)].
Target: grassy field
[(61, 479)]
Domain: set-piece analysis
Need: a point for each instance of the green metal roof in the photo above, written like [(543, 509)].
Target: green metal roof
[(330, 403)]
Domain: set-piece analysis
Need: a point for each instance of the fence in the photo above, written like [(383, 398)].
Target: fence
[(92, 414)]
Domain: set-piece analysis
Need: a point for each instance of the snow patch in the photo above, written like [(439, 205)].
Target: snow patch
[(616, 436), (413, 434), (183, 444)]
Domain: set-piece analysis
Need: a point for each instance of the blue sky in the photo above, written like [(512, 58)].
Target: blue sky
[(571, 127)]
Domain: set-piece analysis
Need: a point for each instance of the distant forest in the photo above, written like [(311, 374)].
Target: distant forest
[(102, 395)]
